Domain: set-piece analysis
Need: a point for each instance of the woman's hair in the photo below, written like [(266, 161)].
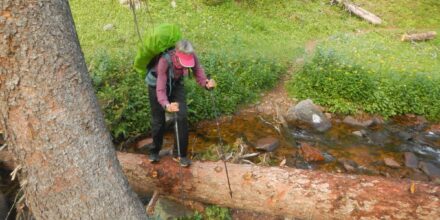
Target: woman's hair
[(185, 46)]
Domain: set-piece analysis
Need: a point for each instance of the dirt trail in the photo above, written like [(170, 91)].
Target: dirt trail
[(278, 97)]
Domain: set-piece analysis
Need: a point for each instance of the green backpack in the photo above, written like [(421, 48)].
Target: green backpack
[(155, 42)]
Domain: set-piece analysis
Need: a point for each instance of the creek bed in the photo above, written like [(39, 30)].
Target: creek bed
[(375, 150)]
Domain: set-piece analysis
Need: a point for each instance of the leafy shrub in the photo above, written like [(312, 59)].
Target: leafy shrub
[(348, 75), (212, 212), (217, 213), (121, 94)]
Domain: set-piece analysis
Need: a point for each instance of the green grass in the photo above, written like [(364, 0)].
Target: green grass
[(276, 28), (405, 14)]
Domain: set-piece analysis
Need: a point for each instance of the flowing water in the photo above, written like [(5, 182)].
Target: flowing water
[(342, 150)]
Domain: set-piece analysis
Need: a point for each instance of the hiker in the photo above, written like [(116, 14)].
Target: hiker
[(169, 96)]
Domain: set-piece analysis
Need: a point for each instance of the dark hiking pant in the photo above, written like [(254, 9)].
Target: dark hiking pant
[(158, 119)]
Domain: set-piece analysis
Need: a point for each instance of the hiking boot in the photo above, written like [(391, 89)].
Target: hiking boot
[(153, 158), (183, 161)]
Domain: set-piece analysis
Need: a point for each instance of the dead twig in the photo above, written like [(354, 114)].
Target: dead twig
[(152, 204), (277, 128)]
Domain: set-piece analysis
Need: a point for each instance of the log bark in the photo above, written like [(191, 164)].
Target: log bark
[(285, 191), (419, 36), (52, 119), (360, 12)]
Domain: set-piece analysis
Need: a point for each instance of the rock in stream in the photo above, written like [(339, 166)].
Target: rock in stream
[(306, 111)]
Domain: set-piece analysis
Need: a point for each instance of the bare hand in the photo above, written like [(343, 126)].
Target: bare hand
[(210, 84), (172, 107)]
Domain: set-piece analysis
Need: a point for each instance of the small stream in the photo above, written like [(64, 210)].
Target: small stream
[(375, 150)]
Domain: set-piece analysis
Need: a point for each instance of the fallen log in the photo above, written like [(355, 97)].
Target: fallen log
[(419, 36), (286, 191), (360, 12)]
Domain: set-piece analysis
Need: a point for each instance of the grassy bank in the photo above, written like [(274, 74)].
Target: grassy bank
[(373, 71)]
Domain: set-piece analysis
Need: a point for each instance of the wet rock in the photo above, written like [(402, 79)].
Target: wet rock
[(311, 154), (328, 115), (167, 209), (356, 122), (406, 136), (268, 144), (379, 138), (391, 162), (349, 165), (411, 160), (378, 121), (358, 133), (309, 113), (144, 143), (418, 175), (108, 27), (328, 157), (430, 169), (432, 136)]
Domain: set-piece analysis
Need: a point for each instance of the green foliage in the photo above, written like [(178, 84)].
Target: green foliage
[(217, 213), (212, 212), (374, 74), (121, 94)]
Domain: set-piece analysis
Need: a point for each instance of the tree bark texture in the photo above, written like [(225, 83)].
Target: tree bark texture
[(360, 12), (419, 36), (285, 191), (50, 114)]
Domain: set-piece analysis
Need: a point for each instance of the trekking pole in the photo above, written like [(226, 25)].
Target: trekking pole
[(176, 128), (220, 140)]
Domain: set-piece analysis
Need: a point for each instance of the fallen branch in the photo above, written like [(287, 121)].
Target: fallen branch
[(286, 191), (360, 12), (419, 36)]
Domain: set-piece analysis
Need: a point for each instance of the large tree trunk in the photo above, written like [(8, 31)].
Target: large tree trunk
[(285, 191), (52, 119)]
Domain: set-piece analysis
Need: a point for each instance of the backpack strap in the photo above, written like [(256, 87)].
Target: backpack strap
[(170, 80)]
